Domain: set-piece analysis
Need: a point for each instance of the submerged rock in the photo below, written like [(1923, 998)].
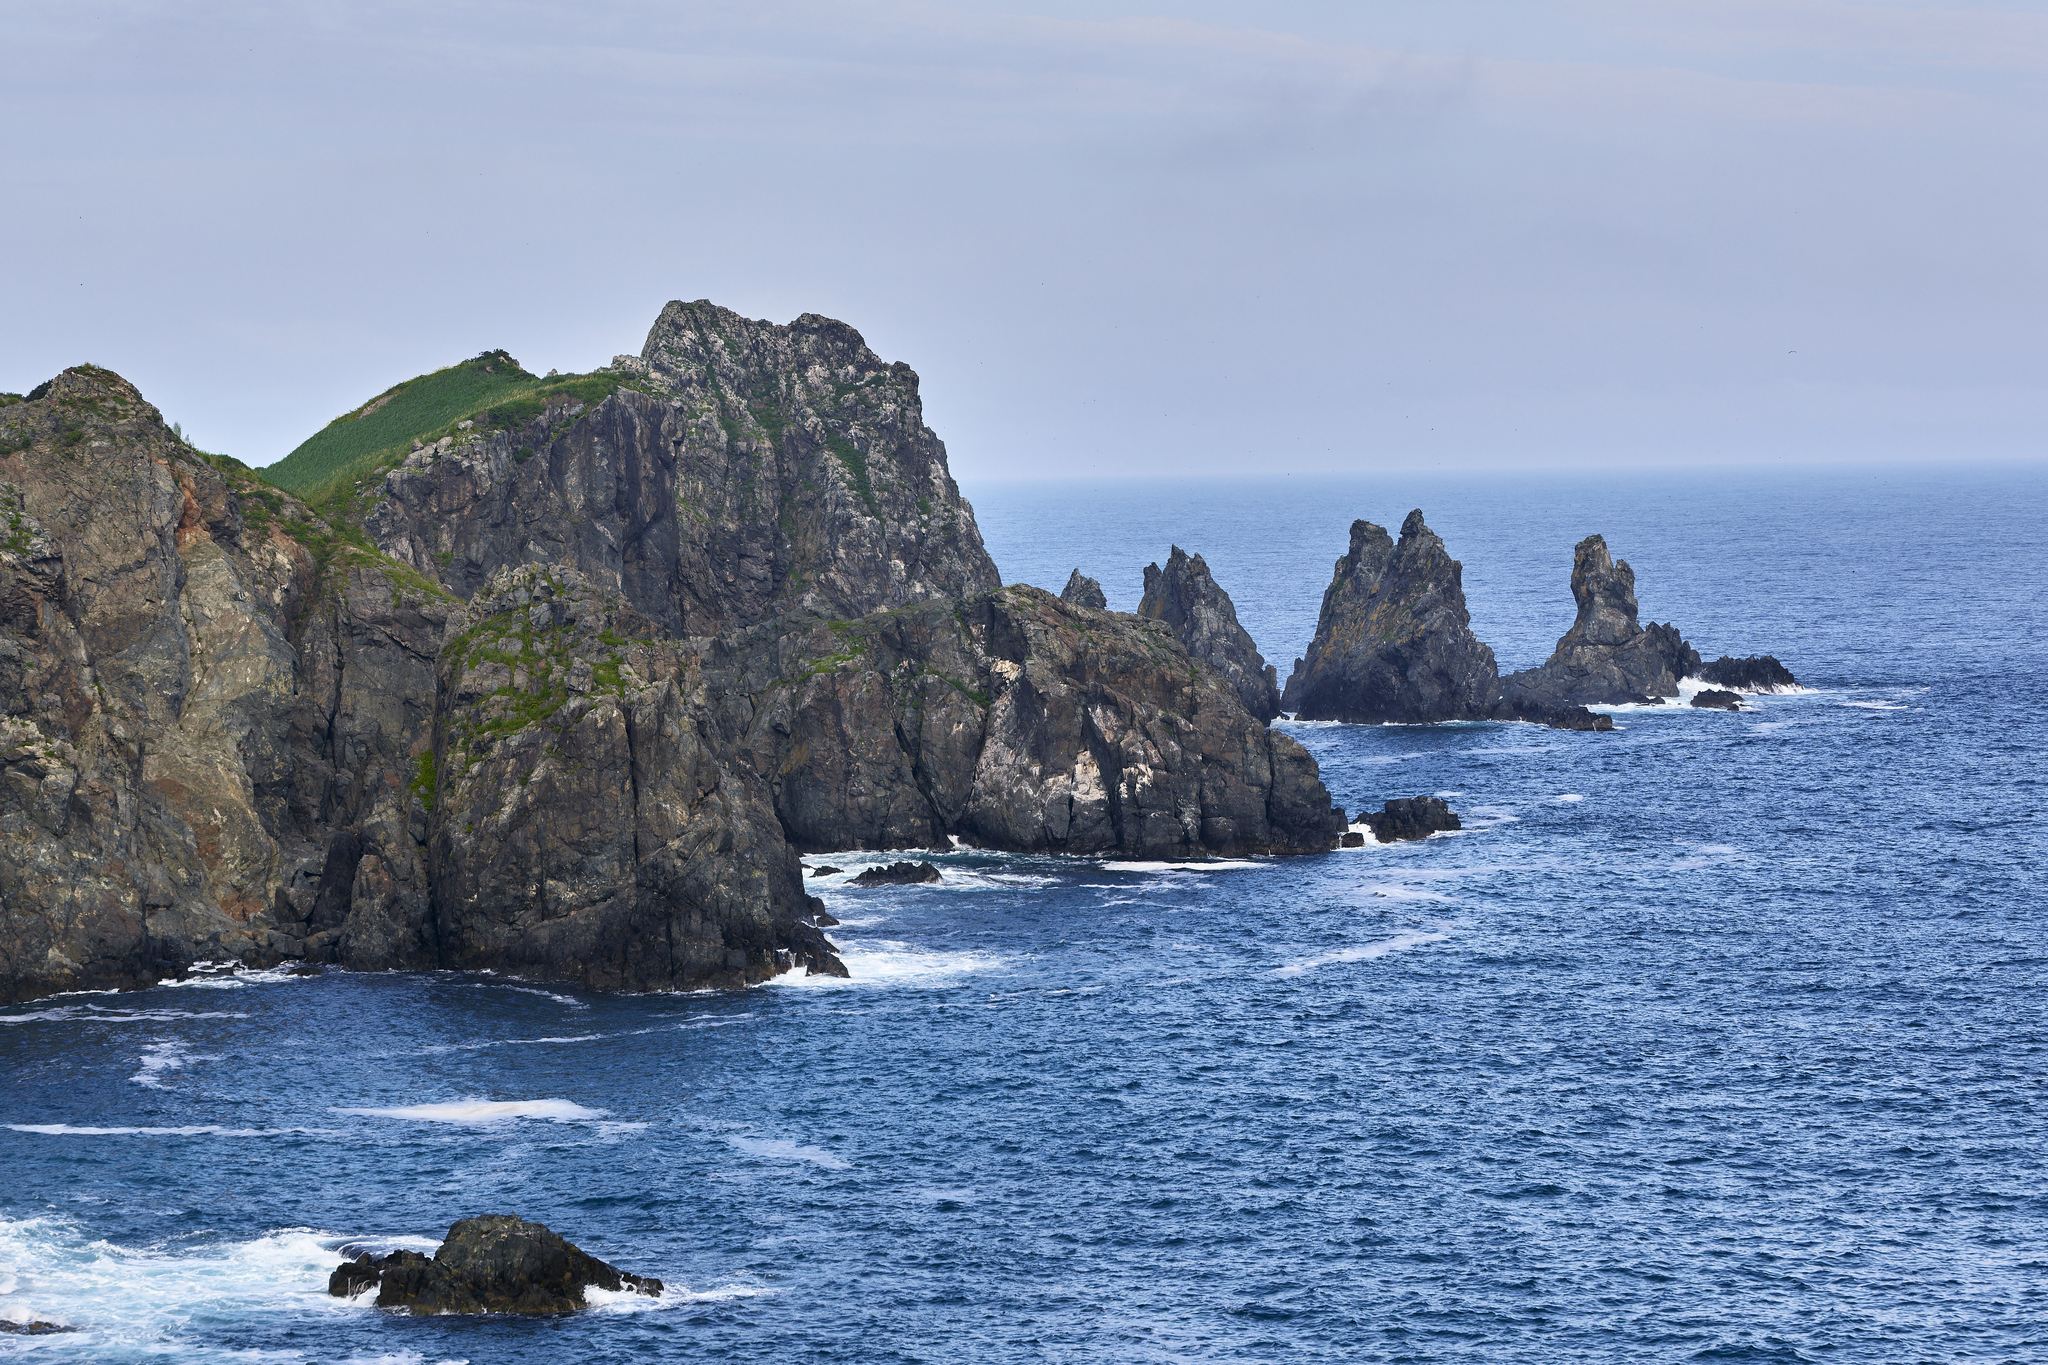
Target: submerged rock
[(493, 1264), (1556, 717), (1394, 640), (1084, 592), (1415, 817), (1757, 673), (1188, 599), (898, 874), (1715, 699), (1606, 658), (34, 1328)]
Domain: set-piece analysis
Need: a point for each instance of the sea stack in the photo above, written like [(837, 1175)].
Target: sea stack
[(1084, 591), (1606, 658), (1187, 598), (1394, 641)]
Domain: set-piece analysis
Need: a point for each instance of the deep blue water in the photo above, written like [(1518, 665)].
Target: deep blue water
[(1717, 1038)]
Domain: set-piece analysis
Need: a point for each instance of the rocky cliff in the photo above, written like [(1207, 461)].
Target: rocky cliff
[(1084, 591), (1394, 641), (1606, 658), (1201, 615), (564, 690)]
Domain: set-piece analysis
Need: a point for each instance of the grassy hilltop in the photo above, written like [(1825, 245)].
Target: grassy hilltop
[(490, 390)]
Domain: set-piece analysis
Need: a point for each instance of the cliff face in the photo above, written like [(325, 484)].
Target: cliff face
[(1394, 641), (573, 695), (1606, 658), (742, 470), (1013, 720), (149, 811), (1202, 616)]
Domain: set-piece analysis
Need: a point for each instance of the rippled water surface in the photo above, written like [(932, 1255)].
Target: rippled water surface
[(1717, 1038)]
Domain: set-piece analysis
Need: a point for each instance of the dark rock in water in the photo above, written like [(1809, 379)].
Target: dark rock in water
[(1415, 817), (1556, 717), (826, 871), (1394, 641), (1084, 592), (1185, 597), (1716, 700), (898, 874), (1606, 658), (493, 1264), (1352, 839), (1757, 673), (36, 1328)]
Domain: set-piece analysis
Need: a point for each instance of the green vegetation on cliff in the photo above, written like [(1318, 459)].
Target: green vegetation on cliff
[(490, 389)]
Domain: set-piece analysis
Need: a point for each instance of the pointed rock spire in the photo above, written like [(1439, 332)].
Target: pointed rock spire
[(1186, 597)]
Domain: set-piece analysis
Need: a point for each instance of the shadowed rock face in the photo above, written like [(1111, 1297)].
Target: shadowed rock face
[(1084, 592), (1394, 641), (1756, 673), (1185, 597), (1606, 658), (1013, 720)]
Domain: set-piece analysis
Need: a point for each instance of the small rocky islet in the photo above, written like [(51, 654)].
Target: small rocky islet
[(496, 1263), (569, 686)]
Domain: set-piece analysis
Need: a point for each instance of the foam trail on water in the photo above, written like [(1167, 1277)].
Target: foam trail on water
[(189, 1130), (888, 962), (785, 1149), (483, 1111), (97, 1015), (159, 1058), (1364, 952)]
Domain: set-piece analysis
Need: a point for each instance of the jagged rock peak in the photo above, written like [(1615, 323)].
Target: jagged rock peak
[(740, 469), (1083, 591), (1606, 593), (1606, 658), (1187, 598), (1394, 640)]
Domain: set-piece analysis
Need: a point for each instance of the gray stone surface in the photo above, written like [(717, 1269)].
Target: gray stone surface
[(1606, 658), (1186, 597), (1394, 640), (1083, 591)]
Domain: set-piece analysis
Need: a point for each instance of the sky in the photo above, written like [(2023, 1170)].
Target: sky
[(1114, 239)]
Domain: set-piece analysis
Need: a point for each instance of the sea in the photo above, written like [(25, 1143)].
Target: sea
[(1720, 1037)]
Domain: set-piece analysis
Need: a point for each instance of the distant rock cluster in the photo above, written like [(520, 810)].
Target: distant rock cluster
[(1394, 644)]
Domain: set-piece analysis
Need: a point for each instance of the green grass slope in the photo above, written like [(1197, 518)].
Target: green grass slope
[(490, 389)]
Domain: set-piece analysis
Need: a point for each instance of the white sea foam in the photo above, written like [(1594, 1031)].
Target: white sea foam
[(189, 1130), (786, 1149), (96, 1014), (568, 1000), (1876, 705), (1206, 865), (233, 976), (1364, 952), (159, 1058), (138, 1302), (1568, 796), (483, 1111), (888, 962)]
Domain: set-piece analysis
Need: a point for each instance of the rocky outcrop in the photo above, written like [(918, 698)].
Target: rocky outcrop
[(1188, 600), (493, 1264), (1394, 641), (1606, 658), (1083, 591), (582, 823), (1011, 720), (899, 874), (571, 695), (740, 470), (1757, 673), (1415, 817), (1712, 699)]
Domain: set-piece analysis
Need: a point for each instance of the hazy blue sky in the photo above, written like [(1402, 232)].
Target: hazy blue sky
[(1113, 237)]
